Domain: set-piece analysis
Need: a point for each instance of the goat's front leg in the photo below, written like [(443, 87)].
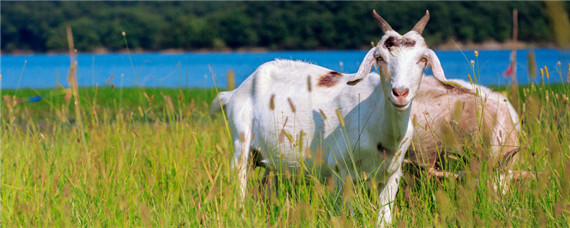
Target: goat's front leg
[(387, 198), (339, 179)]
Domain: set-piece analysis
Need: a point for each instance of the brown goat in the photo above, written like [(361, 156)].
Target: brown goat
[(470, 116)]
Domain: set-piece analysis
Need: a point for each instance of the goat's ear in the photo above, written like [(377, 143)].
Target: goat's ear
[(365, 67), (438, 70)]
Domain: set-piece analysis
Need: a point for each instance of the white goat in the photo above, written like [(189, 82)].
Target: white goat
[(361, 131)]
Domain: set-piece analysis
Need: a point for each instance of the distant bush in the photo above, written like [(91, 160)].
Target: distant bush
[(40, 26)]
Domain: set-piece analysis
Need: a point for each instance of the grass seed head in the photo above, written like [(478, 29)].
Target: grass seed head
[(340, 118), (308, 153), (291, 105), (110, 78), (288, 136), (348, 192), (309, 86), (323, 114), (150, 100), (242, 137), (319, 156), (169, 103), (444, 204), (272, 102), (300, 140)]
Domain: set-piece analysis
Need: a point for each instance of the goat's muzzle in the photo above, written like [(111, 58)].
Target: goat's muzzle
[(400, 98), (400, 94)]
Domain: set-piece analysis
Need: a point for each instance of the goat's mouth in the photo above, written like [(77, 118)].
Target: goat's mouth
[(400, 107)]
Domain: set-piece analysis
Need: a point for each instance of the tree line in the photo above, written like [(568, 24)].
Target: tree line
[(40, 26)]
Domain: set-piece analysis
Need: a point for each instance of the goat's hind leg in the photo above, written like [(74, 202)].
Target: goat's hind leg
[(266, 188), (241, 160)]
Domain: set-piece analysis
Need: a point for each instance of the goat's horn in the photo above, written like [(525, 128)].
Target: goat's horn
[(419, 27), (381, 22)]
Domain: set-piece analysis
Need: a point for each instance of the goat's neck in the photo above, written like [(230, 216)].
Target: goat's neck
[(394, 123)]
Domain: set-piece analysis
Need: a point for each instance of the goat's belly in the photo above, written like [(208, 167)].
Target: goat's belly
[(287, 150), (373, 167)]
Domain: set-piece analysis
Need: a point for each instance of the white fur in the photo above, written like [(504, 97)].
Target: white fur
[(371, 113)]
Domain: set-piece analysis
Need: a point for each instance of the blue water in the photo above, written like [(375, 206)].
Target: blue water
[(192, 69)]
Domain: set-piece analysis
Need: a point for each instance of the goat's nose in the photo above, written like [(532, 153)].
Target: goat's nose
[(400, 94)]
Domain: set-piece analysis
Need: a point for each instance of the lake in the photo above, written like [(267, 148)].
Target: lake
[(192, 69)]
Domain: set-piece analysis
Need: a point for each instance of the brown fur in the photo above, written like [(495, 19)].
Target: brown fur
[(457, 118), (330, 79), (396, 42)]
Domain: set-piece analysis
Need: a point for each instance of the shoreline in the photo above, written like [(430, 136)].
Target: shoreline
[(447, 46), (489, 45)]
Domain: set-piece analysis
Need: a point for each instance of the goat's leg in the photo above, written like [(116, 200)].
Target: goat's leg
[(265, 175), (266, 185), (241, 160), (340, 180), (506, 162), (387, 198), (265, 188)]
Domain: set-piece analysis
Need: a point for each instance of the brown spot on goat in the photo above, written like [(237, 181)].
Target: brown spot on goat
[(391, 42), (382, 150), (408, 42), (330, 79), (397, 42)]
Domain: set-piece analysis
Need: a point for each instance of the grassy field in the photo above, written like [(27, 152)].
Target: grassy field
[(155, 157)]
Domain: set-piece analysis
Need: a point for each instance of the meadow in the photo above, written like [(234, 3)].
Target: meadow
[(156, 157)]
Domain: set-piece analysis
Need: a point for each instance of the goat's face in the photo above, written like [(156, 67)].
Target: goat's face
[(401, 60)]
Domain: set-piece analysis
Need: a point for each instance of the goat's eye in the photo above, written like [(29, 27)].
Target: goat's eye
[(422, 60), (379, 58)]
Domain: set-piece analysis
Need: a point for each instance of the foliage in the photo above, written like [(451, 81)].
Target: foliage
[(40, 26)]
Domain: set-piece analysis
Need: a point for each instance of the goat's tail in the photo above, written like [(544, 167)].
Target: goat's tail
[(220, 101)]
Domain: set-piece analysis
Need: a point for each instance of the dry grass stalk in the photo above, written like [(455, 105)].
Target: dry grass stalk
[(72, 78), (231, 82)]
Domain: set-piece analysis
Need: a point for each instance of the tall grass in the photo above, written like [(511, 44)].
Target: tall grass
[(164, 161)]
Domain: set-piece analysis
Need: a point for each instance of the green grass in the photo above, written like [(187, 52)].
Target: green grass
[(166, 163)]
